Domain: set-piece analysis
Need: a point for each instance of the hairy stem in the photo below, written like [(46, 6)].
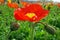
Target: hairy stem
[(32, 31)]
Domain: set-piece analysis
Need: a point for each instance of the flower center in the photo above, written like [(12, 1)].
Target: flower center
[(9, 1), (30, 15)]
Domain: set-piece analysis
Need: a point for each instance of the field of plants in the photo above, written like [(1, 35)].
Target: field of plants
[(11, 29)]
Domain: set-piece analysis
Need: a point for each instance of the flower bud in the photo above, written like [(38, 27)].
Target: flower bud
[(14, 26), (50, 29)]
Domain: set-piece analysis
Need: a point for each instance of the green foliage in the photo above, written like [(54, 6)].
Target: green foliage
[(6, 17)]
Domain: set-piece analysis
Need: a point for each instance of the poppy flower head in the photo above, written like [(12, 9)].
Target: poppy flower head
[(9, 1), (1, 1), (58, 5), (12, 5), (24, 4), (32, 13)]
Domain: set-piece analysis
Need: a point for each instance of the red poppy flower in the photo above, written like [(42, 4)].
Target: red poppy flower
[(24, 3), (58, 5), (32, 13), (1, 1), (13, 5)]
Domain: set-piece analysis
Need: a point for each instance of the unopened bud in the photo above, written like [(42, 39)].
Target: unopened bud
[(50, 29), (14, 26)]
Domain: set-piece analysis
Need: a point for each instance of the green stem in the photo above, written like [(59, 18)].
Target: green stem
[(32, 32), (32, 29)]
